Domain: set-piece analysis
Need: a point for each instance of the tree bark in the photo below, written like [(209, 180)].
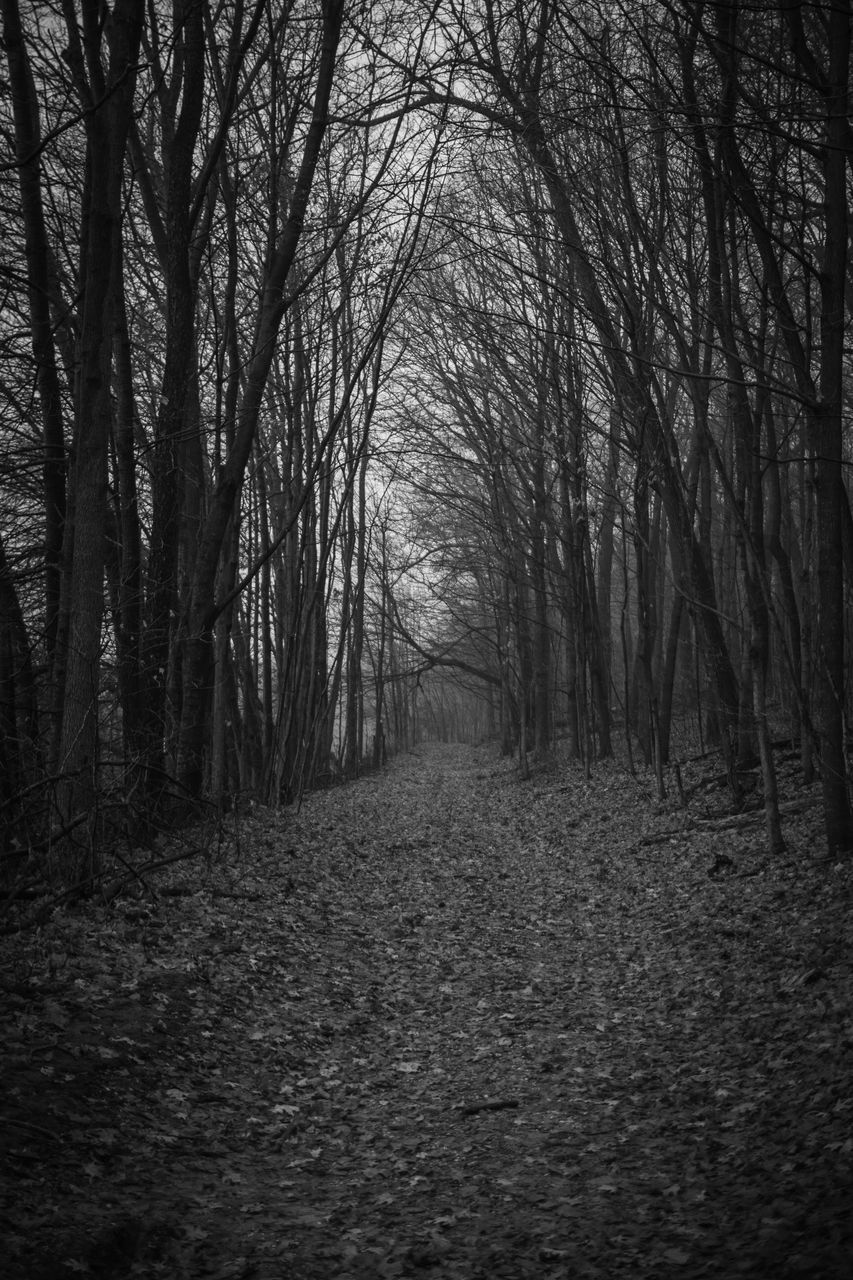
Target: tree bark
[(176, 422), (107, 105), (27, 153), (828, 443)]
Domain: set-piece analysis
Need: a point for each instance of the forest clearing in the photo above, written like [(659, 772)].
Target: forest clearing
[(443, 1022)]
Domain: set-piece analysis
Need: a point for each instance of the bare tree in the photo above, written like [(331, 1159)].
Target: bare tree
[(106, 101)]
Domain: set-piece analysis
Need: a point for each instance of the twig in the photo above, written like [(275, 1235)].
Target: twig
[(34, 1128), (111, 890), (487, 1104)]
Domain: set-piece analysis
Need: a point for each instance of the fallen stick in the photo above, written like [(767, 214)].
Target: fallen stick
[(488, 1104)]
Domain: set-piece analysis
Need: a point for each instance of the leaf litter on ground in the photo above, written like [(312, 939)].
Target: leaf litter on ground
[(443, 1022)]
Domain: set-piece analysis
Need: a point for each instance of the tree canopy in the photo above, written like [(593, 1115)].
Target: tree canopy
[(379, 371)]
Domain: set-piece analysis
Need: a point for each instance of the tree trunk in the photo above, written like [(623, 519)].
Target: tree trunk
[(106, 136), (18, 705), (828, 441), (202, 610), (25, 109), (128, 623), (175, 422)]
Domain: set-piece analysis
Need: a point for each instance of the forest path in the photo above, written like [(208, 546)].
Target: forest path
[(446, 1023)]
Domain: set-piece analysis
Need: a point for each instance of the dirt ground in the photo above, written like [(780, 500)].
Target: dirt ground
[(443, 1022)]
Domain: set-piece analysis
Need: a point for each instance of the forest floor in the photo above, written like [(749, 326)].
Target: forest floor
[(443, 1022)]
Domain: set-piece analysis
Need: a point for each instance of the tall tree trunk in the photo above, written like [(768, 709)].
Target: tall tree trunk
[(18, 705), (28, 140), (176, 421), (604, 588), (107, 125), (128, 624), (541, 640), (202, 611), (828, 438)]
